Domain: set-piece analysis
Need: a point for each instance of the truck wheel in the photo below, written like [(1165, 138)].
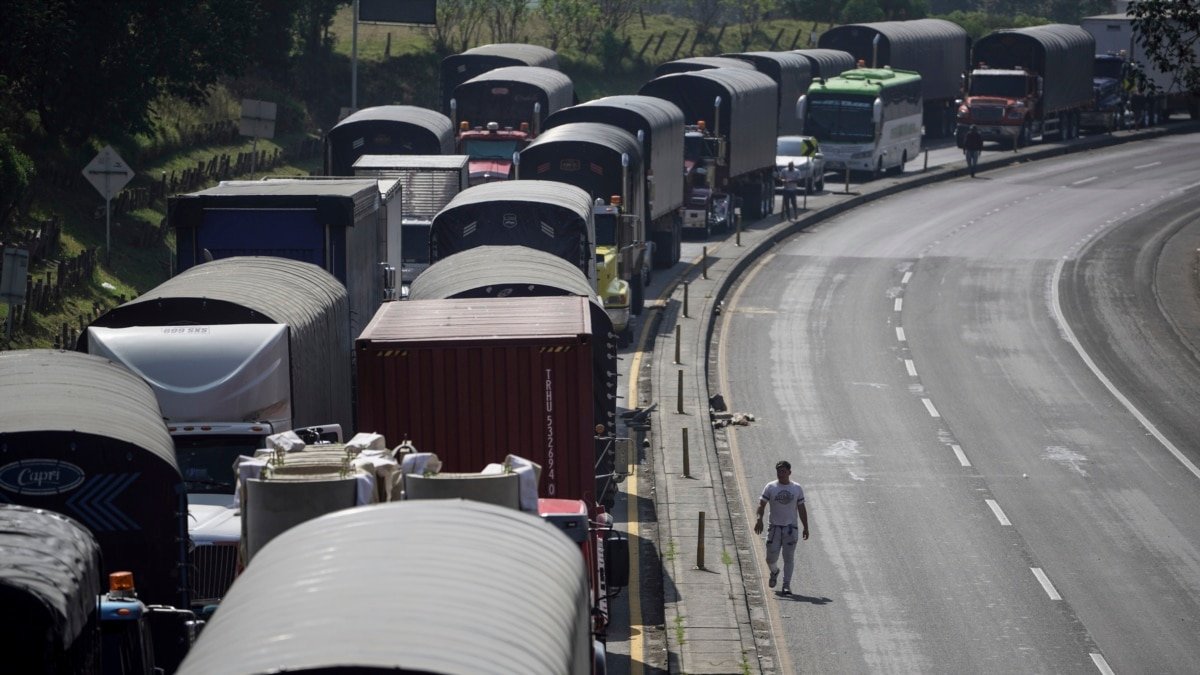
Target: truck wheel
[(878, 169)]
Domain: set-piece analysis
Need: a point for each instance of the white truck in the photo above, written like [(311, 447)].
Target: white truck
[(1115, 34), (427, 183), (235, 350)]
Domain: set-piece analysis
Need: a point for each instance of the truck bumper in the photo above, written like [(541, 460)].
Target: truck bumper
[(619, 317), (998, 132), (695, 219)]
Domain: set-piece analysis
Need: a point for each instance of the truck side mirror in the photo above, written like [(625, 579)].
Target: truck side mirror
[(801, 110), (877, 111), (616, 561)]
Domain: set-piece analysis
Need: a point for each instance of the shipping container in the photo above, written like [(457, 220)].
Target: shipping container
[(386, 130), (475, 380)]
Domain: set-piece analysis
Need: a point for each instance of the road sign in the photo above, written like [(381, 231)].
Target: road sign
[(258, 119), (108, 173)]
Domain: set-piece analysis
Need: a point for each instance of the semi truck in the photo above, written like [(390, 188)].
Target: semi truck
[(729, 143), (934, 48), (343, 225), (235, 350), (606, 162), (792, 73), (458, 68), (386, 130), (1028, 83), (824, 63), (1111, 101), (84, 437), (427, 183), (483, 588), (658, 126), (1115, 34), (499, 112), (520, 271)]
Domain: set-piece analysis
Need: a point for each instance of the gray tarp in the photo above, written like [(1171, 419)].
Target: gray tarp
[(386, 130)]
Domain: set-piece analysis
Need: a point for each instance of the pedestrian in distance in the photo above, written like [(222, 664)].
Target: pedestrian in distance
[(788, 515), (972, 146), (791, 182)]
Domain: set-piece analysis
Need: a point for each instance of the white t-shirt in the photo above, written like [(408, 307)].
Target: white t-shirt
[(783, 500)]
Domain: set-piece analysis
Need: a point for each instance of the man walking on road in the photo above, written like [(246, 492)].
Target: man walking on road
[(791, 181), (972, 146), (787, 507)]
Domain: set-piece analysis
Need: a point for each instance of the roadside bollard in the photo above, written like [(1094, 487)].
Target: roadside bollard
[(704, 263), (687, 460), (679, 390), (700, 544), (685, 298), (738, 239), (678, 361), (847, 180), (926, 167)]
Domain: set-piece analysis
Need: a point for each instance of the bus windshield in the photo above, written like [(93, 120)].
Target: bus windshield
[(840, 119)]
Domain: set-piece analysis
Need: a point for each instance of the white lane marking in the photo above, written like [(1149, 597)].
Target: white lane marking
[(1045, 582), (910, 367), (898, 305), (1085, 180), (962, 456), (900, 333), (906, 278), (1147, 166), (929, 406), (997, 511), (1149, 426), (1101, 664)]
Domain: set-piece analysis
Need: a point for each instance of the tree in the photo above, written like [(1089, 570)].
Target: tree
[(1170, 32), (750, 15), (312, 19), (569, 22), (458, 25), (508, 17)]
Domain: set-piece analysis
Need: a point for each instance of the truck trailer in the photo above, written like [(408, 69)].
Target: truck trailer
[(658, 125), (427, 183), (827, 62), (1115, 35), (729, 142), (693, 63), (342, 225), (792, 73), (1028, 83), (606, 162), (458, 68), (499, 112), (934, 48), (386, 130)]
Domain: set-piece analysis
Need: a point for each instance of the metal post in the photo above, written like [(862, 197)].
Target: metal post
[(108, 231), (354, 59), (808, 188), (679, 393), (687, 460), (704, 263), (926, 167), (685, 299), (847, 180), (738, 239), (700, 544), (678, 361)]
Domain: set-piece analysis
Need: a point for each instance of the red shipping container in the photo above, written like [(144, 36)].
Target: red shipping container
[(474, 380)]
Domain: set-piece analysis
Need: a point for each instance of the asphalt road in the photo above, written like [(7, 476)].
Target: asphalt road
[(993, 423)]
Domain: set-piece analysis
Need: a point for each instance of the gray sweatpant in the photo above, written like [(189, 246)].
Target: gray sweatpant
[(782, 538)]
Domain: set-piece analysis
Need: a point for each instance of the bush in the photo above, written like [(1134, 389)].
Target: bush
[(17, 172)]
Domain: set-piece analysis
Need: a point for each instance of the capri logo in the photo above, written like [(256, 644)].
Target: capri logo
[(40, 477)]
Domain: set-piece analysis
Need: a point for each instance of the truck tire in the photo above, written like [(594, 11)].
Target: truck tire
[(878, 172), (664, 249)]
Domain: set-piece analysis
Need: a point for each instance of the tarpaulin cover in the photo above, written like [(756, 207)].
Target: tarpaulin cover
[(935, 48), (386, 130), (458, 68), (507, 96)]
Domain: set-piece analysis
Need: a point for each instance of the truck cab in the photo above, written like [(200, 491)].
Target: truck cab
[(613, 290), (491, 149), (1002, 104), (707, 206)]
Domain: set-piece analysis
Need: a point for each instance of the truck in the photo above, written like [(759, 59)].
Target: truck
[(343, 225), (606, 162), (824, 63), (386, 130), (1028, 83), (84, 437), (235, 350), (427, 184), (477, 379), (1115, 34), (458, 68), (1110, 107), (934, 48), (499, 112), (658, 126), (729, 143), (694, 63), (520, 271), (792, 73), (486, 588)]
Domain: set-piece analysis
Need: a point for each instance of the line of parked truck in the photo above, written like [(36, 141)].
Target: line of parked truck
[(460, 283)]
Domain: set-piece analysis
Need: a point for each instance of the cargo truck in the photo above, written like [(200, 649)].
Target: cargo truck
[(519, 271), (1028, 83), (694, 63), (1110, 107), (483, 589), (235, 350), (658, 126), (729, 143), (84, 437), (1115, 34), (827, 62), (934, 48), (499, 112), (474, 380), (339, 224), (427, 183), (792, 73), (606, 162), (386, 130), (458, 68)]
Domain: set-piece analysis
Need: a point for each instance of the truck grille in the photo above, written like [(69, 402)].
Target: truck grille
[(987, 113), (215, 567)]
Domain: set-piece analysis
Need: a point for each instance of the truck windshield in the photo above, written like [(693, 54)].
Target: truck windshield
[(207, 461), (840, 119), (1004, 86), (697, 147), (481, 149), (1108, 67), (414, 242), (606, 229)]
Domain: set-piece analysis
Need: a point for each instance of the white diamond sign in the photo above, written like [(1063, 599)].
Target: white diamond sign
[(108, 173)]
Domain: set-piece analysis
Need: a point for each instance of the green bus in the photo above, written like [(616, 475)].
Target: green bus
[(866, 119)]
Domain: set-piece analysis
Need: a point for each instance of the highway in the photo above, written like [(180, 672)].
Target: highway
[(987, 388)]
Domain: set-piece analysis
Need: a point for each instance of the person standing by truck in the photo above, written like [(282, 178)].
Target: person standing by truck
[(972, 146), (791, 181), (787, 507)]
